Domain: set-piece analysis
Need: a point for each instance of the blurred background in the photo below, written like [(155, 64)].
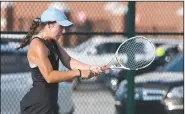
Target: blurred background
[(99, 28)]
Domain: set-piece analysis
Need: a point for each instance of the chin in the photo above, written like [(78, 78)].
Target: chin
[(48, 38)]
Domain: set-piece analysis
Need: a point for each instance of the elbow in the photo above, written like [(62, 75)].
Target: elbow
[(49, 79)]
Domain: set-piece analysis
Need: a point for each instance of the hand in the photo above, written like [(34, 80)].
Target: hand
[(86, 73), (96, 70), (93, 71)]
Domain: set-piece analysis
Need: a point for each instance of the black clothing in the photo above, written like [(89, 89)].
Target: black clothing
[(42, 97)]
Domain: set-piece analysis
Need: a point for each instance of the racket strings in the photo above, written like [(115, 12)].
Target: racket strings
[(136, 53)]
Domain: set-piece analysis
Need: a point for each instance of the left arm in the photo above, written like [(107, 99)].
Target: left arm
[(70, 62)]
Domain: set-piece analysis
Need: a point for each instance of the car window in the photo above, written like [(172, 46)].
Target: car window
[(107, 48), (80, 48), (158, 44), (175, 65), (13, 61)]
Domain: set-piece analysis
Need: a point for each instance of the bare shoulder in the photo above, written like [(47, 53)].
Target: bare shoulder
[(37, 43), (37, 48)]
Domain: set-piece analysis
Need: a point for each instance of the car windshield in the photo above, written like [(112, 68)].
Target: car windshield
[(81, 47), (175, 65), (107, 48), (101, 48)]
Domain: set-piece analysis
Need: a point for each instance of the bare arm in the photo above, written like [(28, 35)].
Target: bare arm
[(40, 57), (70, 62)]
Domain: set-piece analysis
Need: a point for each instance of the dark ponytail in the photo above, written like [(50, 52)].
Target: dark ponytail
[(34, 26)]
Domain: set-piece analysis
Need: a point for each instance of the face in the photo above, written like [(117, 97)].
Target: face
[(55, 30)]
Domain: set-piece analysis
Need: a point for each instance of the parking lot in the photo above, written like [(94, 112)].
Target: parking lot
[(92, 98)]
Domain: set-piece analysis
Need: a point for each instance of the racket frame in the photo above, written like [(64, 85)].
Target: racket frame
[(123, 67)]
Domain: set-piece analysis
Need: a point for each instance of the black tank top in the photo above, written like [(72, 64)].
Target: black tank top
[(53, 57), (42, 93), (37, 77)]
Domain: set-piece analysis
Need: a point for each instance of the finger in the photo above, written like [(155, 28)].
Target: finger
[(97, 70), (100, 70), (95, 73)]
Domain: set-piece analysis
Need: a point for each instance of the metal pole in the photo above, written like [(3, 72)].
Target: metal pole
[(130, 74)]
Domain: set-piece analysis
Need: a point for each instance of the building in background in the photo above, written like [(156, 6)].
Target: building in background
[(105, 16), (7, 17)]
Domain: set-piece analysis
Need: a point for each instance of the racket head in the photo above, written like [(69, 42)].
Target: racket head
[(135, 53)]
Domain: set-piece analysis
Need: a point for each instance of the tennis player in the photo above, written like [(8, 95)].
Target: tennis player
[(43, 55)]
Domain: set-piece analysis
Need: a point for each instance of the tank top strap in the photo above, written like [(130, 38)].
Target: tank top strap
[(51, 47)]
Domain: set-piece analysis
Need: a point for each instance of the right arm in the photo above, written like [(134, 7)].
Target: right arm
[(40, 57)]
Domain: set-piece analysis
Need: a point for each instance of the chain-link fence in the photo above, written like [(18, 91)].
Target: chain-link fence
[(99, 28)]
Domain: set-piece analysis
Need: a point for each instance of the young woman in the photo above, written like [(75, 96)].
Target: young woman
[(43, 55)]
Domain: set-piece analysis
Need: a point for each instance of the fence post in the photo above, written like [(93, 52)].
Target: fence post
[(130, 104)]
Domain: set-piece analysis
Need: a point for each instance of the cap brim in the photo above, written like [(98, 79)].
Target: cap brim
[(65, 23)]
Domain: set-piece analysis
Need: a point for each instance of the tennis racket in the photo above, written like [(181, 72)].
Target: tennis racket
[(133, 54)]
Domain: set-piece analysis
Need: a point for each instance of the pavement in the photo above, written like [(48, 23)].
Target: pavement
[(93, 98)]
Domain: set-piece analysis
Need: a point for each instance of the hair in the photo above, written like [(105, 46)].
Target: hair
[(35, 24)]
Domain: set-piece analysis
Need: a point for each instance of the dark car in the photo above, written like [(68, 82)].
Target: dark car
[(159, 92), (117, 76)]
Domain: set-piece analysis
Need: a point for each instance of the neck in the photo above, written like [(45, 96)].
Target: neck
[(43, 34)]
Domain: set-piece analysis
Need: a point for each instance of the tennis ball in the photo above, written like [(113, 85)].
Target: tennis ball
[(160, 51), (121, 60)]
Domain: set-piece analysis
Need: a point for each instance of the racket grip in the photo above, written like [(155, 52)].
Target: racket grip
[(106, 67)]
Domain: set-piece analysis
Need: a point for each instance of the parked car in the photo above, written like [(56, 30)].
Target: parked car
[(16, 81), (100, 50), (114, 77), (95, 51), (159, 92)]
